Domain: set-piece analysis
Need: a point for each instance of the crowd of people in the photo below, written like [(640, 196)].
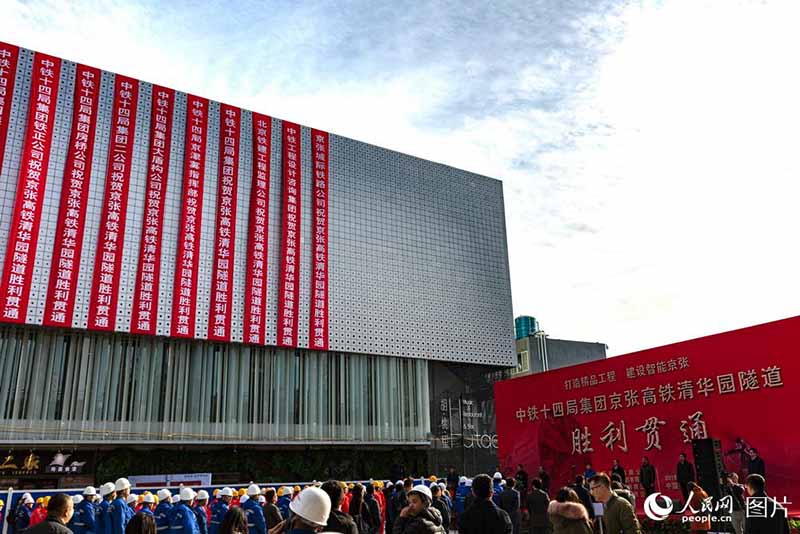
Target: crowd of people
[(479, 505)]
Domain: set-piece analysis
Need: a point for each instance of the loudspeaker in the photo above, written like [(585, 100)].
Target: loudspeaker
[(708, 465)]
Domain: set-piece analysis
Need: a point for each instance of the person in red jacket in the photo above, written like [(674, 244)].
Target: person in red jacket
[(381, 498), (39, 513)]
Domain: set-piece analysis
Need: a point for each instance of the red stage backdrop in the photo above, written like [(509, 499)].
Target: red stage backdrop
[(740, 384)]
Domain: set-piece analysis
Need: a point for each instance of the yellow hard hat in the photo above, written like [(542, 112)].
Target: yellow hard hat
[(216, 490), (47, 500), (297, 489), (40, 500), (280, 492), (433, 478), (140, 498), (155, 499), (343, 485), (242, 491)]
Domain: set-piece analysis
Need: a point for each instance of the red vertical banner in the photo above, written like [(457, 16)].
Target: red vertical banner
[(289, 279), (255, 291), (318, 324), (108, 258), (145, 295), (23, 235), (8, 71), (74, 195), (185, 290), (222, 278)]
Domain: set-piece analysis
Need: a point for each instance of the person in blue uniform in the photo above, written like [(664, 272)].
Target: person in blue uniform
[(103, 518), (254, 512), (183, 519), (219, 509), (200, 511), (163, 511), (121, 513), (148, 503), (84, 517), (24, 513)]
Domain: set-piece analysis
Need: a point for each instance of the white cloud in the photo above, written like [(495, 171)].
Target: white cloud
[(647, 149)]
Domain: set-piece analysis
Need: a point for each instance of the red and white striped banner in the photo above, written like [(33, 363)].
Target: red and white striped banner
[(185, 290), (145, 295), (108, 258), (318, 324), (8, 72), (219, 328), (66, 260), (255, 292), (15, 285), (288, 288)]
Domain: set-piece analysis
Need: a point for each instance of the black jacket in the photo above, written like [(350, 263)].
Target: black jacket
[(756, 466), (48, 526), (774, 523), (429, 521), (537, 504), (440, 504), (647, 476), (685, 472), (483, 517), (339, 521), (522, 480), (545, 478), (619, 470), (586, 499), (509, 502)]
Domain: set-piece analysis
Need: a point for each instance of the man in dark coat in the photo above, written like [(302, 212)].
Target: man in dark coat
[(59, 513), (338, 521), (756, 464), (440, 504), (583, 495), (775, 521), (537, 503), (271, 512), (484, 517), (647, 476), (522, 482), (419, 517), (510, 503), (685, 474), (545, 478), (618, 470)]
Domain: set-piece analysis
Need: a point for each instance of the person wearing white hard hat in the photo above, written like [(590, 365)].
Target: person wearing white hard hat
[(23, 512), (256, 524), (183, 519), (107, 496), (120, 511), (163, 511), (462, 491), (200, 510), (219, 509), (419, 517), (148, 504), (310, 510), (85, 513), (175, 499)]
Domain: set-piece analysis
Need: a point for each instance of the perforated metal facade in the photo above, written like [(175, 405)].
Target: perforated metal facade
[(418, 265)]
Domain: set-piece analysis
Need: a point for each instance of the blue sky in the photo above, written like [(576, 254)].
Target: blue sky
[(648, 149)]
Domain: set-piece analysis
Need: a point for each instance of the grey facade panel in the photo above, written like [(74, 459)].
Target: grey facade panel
[(418, 261)]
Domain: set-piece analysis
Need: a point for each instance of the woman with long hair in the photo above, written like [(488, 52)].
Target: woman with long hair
[(568, 515), (234, 522), (141, 523)]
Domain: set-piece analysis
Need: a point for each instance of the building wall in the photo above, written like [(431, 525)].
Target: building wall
[(417, 250), (560, 353), (59, 387)]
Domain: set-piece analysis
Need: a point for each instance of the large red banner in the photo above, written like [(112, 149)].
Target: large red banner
[(255, 293), (288, 288), (737, 387), (8, 72), (184, 293), (227, 184), (145, 295), (74, 195), (24, 230), (318, 325), (108, 259)]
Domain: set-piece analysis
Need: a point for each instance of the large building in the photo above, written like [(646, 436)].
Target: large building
[(186, 284)]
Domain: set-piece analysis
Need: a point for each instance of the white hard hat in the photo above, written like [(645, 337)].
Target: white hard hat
[(164, 495), (226, 492), (313, 505), (262, 499), (27, 499), (26, 495), (498, 475), (202, 495), (243, 499), (175, 499), (253, 490), (462, 480), (288, 490), (187, 494), (76, 499), (442, 485), (131, 498), (149, 499), (121, 484), (398, 483), (90, 491), (107, 489), (502, 482), (468, 483), (422, 489), (389, 484)]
